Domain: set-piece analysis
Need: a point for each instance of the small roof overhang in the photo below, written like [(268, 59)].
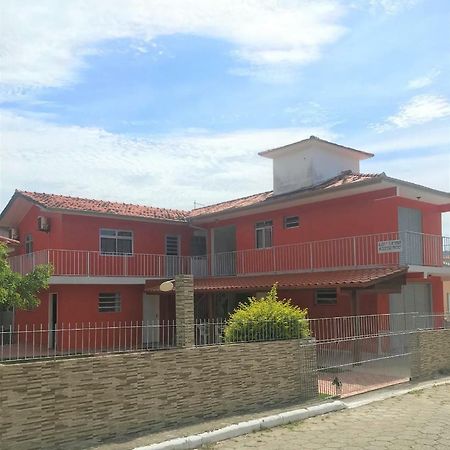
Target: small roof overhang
[(314, 140), (348, 279), (9, 242)]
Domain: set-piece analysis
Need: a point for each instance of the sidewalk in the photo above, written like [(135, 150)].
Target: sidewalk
[(141, 440), (418, 420)]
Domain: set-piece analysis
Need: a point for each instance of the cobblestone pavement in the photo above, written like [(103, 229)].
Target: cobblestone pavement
[(418, 420)]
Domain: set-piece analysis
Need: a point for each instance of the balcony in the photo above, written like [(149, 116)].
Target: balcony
[(378, 250)]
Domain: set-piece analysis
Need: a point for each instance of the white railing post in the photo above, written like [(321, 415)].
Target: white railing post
[(354, 251)]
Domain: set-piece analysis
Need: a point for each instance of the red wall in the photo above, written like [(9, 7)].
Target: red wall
[(368, 303), (79, 303), (78, 309), (41, 239), (79, 232), (82, 232), (369, 213)]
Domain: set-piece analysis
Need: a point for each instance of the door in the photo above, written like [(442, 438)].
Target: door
[(198, 252), (224, 246), (414, 298), (52, 319), (173, 261), (150, 318), (410, 229), (6, 325)]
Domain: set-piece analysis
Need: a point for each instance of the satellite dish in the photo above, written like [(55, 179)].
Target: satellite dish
[(166, 286)]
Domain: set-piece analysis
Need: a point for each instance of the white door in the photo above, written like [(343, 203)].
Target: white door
[(173, 260), (150, 318), (410, 229), (414, 298)]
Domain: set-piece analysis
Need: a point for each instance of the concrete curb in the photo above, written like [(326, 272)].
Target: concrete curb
[(231, 431)]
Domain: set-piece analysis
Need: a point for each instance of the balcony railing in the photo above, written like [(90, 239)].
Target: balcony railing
[(385, 249), (70, 263), (378, 250)]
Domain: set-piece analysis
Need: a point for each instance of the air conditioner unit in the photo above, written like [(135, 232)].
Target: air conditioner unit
[(13, 234), (43, 223)]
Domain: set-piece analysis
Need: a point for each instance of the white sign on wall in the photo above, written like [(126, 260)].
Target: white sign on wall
[(393, 246)]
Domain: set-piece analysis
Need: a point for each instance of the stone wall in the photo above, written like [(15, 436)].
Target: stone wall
[(430, 353), (69, 403)]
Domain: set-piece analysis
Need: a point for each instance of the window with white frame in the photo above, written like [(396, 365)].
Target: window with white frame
[(326, 296), (263, 232), (116, 242), (29, 244), (172, 245), (291, 222), (109, 302)]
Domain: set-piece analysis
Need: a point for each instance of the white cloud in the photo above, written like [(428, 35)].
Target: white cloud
[(168, 171), (418, 110), (431, 169), (423, 81), (392, 6), (433, 135), (44, 44)]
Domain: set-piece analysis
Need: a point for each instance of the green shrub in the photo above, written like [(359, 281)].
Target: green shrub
[(266, 319)]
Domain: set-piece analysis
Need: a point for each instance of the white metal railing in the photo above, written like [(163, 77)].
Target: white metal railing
[(94, 264), (384, 249), (328, 329), (84, 339), (28, 342)]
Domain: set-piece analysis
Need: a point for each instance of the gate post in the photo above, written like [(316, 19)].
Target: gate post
[(184, 310)]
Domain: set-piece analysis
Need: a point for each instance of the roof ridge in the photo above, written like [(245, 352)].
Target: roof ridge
[(232, 200), (72, 197)]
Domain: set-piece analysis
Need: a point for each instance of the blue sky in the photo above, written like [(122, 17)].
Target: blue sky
[(168, 102)]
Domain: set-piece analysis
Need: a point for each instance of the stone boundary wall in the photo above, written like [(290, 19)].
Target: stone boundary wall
[(430, 353), (71, 403)]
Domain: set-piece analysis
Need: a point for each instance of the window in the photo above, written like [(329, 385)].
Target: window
[(29, 244), (116, 242), (172, 245), (326, 297), (263, 234), (109, 302), (291, 222)]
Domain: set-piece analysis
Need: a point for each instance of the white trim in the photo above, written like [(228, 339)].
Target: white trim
[(98, 280), (443, 272), (117, 231)]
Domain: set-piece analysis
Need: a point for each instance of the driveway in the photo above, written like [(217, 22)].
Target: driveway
[(418, 420)]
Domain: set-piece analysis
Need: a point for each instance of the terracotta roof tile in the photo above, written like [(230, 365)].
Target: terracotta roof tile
[(311, 280), (127, 209), (8, 241), (103, 207), (344, 178), (231, 204)]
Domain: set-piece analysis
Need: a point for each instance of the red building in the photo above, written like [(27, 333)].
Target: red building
[(337, 241)]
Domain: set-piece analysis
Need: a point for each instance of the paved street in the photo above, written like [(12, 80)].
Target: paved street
[(419, 420)]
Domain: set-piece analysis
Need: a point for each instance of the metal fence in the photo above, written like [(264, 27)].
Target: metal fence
[(383, 249), (379, 332), (84, 339), (327, 329)]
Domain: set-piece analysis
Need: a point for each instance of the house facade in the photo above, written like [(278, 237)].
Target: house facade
[(337, 241)]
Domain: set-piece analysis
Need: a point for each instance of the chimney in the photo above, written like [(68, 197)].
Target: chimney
[(310, 162)]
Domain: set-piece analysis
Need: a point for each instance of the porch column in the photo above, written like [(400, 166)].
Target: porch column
[(184, 310)]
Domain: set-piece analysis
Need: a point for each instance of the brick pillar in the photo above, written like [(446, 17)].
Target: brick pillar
[(184, 310)]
